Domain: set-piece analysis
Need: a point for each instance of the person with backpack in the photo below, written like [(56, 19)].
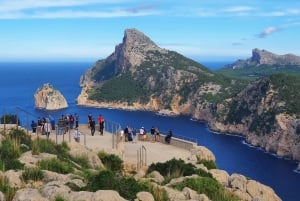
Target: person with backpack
[(101, 124)]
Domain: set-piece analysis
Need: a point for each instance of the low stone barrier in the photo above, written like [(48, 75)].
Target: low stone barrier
[(184, 144)]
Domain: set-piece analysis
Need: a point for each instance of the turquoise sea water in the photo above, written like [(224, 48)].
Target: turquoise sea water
[(19, 81)]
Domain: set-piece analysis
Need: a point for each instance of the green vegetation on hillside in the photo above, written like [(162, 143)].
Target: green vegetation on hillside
[(288, 91), (254, 72), (119, 89)]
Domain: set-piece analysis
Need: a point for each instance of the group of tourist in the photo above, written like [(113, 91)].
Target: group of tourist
[(66, 122), (131, 134), (46, 124), (92, 124)]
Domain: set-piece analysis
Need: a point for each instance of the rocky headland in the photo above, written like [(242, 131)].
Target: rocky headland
[(49, 98), (155, 79), (264, 57)]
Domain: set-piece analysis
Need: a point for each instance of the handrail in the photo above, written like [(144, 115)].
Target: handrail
[(141, 157)]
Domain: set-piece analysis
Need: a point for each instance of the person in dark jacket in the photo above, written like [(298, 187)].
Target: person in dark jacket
[(168, 137)]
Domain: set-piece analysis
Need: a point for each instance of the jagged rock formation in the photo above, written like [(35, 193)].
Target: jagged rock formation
[(49, 98), (264, 57), (149, 78), (141, 76)]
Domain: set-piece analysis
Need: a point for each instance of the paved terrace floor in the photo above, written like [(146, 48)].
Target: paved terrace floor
[(156, 151)]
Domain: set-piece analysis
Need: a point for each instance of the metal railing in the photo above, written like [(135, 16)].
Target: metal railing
[(141, 157)]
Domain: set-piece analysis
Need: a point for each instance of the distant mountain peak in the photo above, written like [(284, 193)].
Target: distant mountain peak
[(264, 57)]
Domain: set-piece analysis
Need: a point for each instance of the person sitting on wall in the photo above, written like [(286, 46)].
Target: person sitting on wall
[(168, 137)]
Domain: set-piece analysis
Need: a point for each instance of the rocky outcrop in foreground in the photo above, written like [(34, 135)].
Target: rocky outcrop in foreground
[(55, 185), (49, 98)]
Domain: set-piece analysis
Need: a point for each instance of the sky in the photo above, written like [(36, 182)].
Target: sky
[(203, 30)]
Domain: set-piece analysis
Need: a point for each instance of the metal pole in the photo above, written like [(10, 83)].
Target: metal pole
[(56, 133)]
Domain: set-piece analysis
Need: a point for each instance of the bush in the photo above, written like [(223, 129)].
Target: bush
[(21, 136), (127, 187), (8, 191), (9, 153), (208, 186), (173, 168), (82, 160), (34, 174), (56, 165), (207, 163), (111, 161), (10, 119)]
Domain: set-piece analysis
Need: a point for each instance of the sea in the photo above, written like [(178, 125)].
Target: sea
[(20, 80)]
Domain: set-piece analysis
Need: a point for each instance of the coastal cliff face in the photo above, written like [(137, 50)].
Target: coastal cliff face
[(264, 57), (259, 113), (49, 98), (139, 75)]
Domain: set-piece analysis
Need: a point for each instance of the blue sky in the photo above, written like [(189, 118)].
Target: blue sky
[(204, 30)]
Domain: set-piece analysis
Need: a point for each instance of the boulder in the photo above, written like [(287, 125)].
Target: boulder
[(28, 194), (202, 152), (144, 196), (49, 98), (221, 176), (78, 150), (13, 177), (30, 160), (261, 192)]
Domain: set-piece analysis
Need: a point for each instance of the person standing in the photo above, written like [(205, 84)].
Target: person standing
[(101, 124), (168, 137), (134, 135), (152, 132), (92, 126), (77, 135), (33, 126), (47, 127), (76, 120)]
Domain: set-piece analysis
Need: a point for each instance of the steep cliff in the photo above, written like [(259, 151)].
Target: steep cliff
[(264, 57), (139, 75), (49, 98), (266, 113)]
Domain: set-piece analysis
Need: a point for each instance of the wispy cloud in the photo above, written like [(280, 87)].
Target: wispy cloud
[(141, 8), (268, 31), (272, 29), (48, 9), (235, 9)]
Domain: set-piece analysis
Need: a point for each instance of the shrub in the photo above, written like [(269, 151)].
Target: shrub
[(34, 174), (173, 168), (10, 119), (56, 165), (111, 161), (208, 186), (81, 160), (159, 193), (59, 198), (8, 191), (45, 145), (207, 163), (9, 153), (21, 136), (127, 187)]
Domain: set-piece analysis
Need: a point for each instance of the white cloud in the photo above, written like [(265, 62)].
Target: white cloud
[(239, 9), (269, 30)]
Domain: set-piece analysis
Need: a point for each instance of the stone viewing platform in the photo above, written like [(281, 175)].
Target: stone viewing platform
[(156, 151)]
